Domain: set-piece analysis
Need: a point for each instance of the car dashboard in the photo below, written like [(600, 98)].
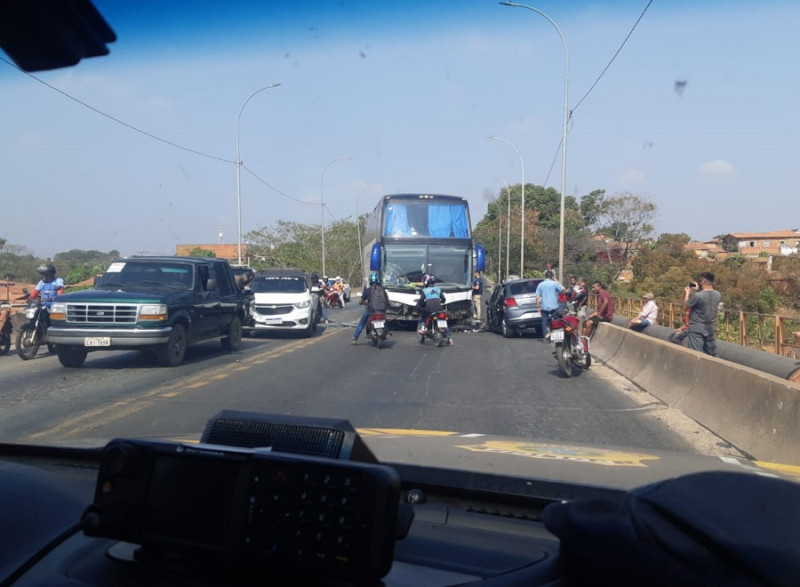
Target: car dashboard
[(457, 535)]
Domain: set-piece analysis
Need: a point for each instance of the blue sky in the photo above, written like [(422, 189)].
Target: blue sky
[(408, 91)]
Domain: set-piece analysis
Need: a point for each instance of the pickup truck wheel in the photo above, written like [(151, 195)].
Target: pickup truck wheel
[(233, 341), (71, 356), (171, 354)]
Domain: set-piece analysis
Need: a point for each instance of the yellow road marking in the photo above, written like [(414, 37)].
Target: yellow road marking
[(122, 408)]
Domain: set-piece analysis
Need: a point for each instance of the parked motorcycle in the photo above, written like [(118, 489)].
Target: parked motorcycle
[(5, 329), (572, 349), (435, 328), (376, 330), (34, 332)]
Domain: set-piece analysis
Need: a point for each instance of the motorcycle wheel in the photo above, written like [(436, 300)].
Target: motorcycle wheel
[(438, 337), (420, 337), (28, 341), (564, 358), (582, 359), (5, 341)]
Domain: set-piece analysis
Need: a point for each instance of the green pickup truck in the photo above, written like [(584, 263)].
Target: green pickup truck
[(160, 304)]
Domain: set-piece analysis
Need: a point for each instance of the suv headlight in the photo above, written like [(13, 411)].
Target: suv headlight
[(58, 311), (153, 312)]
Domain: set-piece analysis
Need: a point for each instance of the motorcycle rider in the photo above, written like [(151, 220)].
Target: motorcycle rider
[(49, 286), (431, 300), (373, 302)]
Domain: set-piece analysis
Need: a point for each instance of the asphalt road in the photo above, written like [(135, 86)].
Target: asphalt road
[(484, 384)]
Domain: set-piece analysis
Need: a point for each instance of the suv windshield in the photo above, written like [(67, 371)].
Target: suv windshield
[(146, 274), (279, 284)]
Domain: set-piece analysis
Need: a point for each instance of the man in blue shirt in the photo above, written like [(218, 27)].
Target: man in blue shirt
[(49, 287), (547, 297)]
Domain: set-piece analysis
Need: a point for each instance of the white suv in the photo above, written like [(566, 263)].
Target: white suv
[(283, 301)]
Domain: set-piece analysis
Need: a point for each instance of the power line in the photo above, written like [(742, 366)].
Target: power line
[(117, 120), (602, 73), (276, 190), (596, 81)]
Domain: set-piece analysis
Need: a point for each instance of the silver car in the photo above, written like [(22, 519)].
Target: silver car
[(512, 307)]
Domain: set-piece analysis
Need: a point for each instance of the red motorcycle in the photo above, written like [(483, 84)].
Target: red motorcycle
[(376, 330), (332, 300), (435, 328), (572, 349)]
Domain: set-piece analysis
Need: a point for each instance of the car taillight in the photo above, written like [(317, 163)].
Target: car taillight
[(510, 303)]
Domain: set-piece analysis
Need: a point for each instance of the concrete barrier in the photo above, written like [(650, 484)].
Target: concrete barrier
[(757, 412), (784, 367)]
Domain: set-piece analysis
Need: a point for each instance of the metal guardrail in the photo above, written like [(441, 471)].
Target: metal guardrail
[(770, 333)]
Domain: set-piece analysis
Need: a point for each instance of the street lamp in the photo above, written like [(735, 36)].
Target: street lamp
[(358, 226), (499, 236), (508, 225), (522, 215), (322, 205), (564, 134), (239, 172)]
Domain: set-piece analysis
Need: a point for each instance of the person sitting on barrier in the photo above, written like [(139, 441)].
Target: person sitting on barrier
[(604, 311), (647, 316)]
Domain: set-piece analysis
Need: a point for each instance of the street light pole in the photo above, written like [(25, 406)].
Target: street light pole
[(358, 227), (239, 173), (499, 237), (508, 225), (322, 206), (564, 134), (522, 214)]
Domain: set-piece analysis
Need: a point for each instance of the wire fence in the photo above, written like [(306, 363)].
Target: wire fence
[(770, 333)]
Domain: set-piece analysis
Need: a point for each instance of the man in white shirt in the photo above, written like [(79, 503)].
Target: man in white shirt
[(648, 314)]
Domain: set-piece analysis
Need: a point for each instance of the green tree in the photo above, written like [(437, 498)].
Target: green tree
[(201, 252), (627, 219)]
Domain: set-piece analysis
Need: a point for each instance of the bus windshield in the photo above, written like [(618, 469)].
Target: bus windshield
[(407, 263)]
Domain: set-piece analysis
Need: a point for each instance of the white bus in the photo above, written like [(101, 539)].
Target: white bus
[(410, 235)]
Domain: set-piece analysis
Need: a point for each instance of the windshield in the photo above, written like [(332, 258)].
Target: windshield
[(143, 274), (636, 147), (278, 284), (407, 263)]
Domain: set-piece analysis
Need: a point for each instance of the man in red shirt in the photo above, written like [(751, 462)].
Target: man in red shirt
[(604, 311)]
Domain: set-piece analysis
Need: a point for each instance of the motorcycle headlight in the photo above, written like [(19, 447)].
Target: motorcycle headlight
[(30, 312), (153, 312)]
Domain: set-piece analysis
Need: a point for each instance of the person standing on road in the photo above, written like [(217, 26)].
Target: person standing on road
[(702, 301), (604, 311), (547, 297), (477, 294), (648, 314)]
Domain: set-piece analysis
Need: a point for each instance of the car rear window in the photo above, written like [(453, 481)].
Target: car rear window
[(279, 284), (524, 287)]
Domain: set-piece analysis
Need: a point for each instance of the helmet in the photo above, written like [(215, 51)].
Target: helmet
[(46, 271), (373, 277), (429, 280)]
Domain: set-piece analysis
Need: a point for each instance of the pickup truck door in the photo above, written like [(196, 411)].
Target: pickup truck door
[(207, 310), (229, 295)]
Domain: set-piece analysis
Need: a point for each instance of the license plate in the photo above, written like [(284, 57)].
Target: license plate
[(97, 341), (441, 323), (378, 324), (557, 335), (273, 320)]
